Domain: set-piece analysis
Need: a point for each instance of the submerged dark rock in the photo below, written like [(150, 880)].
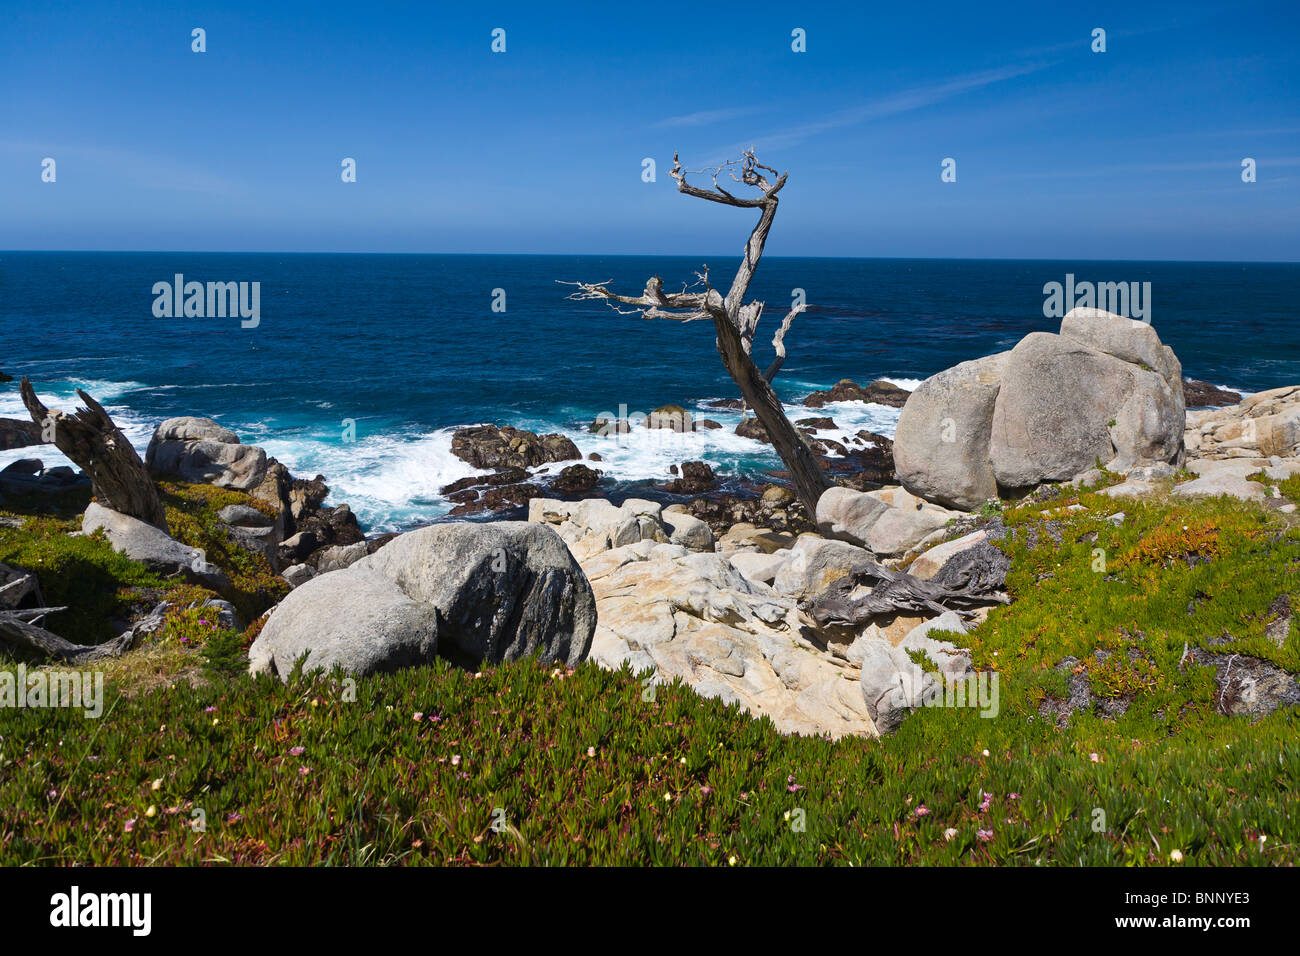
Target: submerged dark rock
[(487, 446), (507, 476), (753, 428), (696, 477), (18, 434), (502, 498), (576, 478), (879, 392), (1197, 394)]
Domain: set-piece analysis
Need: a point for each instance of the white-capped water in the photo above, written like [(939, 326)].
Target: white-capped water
[(392, 478)]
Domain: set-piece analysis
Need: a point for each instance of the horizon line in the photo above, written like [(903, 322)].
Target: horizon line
[(628, 255)]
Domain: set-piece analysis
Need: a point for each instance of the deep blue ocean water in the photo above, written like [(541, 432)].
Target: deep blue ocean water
[(408, 347)]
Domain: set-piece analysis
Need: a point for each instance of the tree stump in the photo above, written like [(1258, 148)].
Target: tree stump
[(91, 439)]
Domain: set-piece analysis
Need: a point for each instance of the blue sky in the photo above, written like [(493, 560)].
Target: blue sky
[(1061, 152)]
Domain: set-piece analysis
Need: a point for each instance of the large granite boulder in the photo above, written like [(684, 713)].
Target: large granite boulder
[(1104, 390), (356, 619), (200, 450), (1129, 340), (475, 593), (1064, 406)]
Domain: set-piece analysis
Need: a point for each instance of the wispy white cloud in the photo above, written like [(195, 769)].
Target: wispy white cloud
[(704, 117), (892, 104)]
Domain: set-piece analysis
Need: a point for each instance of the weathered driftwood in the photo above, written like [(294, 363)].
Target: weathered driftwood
[(734, 320), (18, 631), (91, 439), (970, 579)]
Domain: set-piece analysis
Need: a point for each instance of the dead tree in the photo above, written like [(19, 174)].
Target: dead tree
[(89, 437), (734, 320)]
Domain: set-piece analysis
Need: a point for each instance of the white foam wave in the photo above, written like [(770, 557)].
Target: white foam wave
[(908, 383), (390, 481), (393, 480)]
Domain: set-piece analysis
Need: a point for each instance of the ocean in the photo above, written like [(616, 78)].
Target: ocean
[(361, 366)]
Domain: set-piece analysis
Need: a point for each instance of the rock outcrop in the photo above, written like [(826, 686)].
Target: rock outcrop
[(29, 477), (735, 623), (15, 433), (893, 684), (1264, 425), (696, 478), (681, 614), (1199, 394), (594, 525)]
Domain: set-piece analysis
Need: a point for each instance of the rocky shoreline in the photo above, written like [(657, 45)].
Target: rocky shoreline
[(827, 623)]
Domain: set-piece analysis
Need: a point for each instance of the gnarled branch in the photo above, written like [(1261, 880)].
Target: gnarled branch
[(778, 342)]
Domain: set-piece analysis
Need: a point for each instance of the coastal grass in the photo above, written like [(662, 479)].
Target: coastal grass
[(532, 764), (103, 590), (83, 573)]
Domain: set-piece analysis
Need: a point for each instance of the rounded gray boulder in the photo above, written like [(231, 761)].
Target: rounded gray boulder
[(474, 593)]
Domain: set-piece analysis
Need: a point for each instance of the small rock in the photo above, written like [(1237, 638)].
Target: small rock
[(298, 574)]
